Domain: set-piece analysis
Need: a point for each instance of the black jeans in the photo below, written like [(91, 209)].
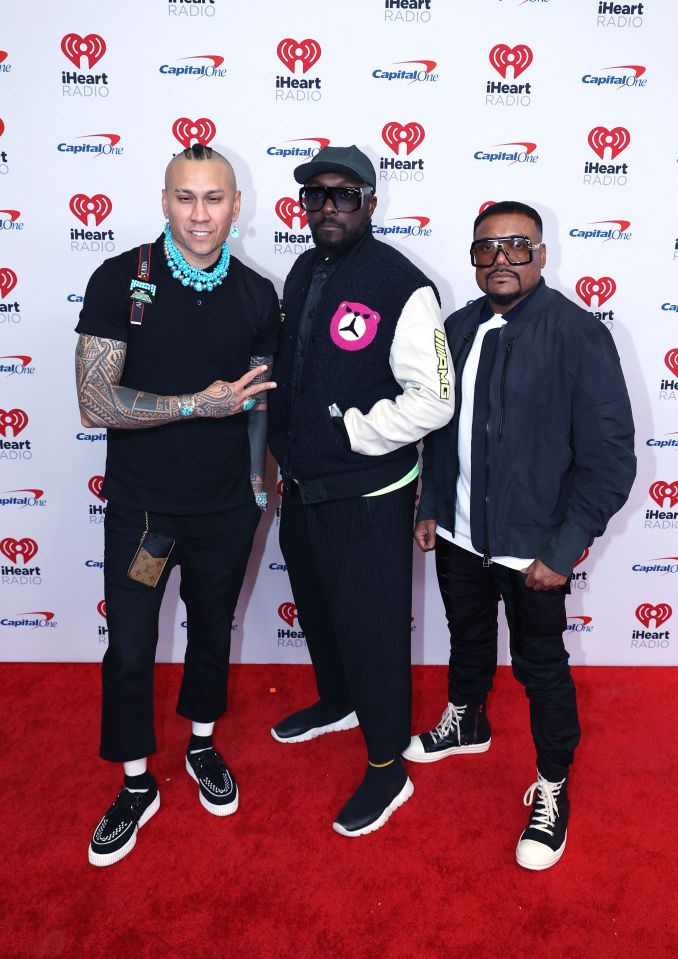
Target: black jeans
[(212, 551), (350, 568), (536, 620)]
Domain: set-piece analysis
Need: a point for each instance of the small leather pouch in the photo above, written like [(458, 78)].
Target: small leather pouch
[(151, 557)]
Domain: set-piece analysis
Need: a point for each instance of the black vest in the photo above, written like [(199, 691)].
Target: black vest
[(346, 362)]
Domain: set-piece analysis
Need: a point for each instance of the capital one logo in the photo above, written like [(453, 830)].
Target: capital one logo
[(15, 420), (661, 491), (502, 57), (15, 549), (290, 210), (94, 486), (75, 47), (101, 608), (307, 52), (82, 207), (603, 289), (409, 135), (646, 612), (185, 131), (12, 214), (615, 140), (671, 360), (7, 281), (288, 613)]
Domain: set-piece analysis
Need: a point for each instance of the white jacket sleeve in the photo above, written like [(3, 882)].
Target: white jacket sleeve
[(420, 362)]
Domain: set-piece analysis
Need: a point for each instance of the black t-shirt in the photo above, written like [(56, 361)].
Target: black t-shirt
[(185, 342)]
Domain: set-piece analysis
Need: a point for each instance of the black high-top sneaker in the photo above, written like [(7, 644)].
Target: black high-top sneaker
[(462, 729), (543, 841)]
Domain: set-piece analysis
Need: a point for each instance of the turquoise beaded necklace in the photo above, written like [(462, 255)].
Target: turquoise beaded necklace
[(190, 275)]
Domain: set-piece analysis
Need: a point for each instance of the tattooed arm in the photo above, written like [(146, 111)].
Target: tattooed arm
[(99, 363), (256, 426)]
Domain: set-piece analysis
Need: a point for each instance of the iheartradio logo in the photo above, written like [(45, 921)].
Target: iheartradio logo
[(615, 140), (15, 549), (185, 131), (409, 135), (288, 613), (290, 52), (486, 205), (583, 557), (2, 127), (645, 613), (15, 420), (94, 486), (502, 57), (101, 608), (603, 289), (661, 491), (82, 207), (671, 360), (75, 47), (290, 210), (7, 281)]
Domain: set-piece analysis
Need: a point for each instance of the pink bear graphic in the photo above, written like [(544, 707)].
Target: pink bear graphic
[(353, 326)]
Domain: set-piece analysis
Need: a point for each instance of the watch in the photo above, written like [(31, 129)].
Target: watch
[(187, 404)]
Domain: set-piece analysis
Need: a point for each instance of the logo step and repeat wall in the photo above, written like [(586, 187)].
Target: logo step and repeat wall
[(563, 104)]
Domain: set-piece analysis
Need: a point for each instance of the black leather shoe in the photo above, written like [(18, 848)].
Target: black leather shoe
[(462, 729), (315, 720), (380, 793)]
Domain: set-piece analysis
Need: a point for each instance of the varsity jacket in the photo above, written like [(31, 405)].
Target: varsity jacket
[(557, 440), (376, 353)]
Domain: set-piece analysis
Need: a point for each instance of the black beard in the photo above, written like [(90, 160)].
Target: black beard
[(504, 299), (343, 242)]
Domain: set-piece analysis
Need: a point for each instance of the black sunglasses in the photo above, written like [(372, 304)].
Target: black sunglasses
[(346, 199), (517, 250)]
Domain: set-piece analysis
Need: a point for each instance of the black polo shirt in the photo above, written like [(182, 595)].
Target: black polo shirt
[(186, 341)]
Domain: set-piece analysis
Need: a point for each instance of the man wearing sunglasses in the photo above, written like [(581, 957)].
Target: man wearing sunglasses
[(537, 459), (363, 373)]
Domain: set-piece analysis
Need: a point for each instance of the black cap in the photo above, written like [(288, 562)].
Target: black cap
[(338, 160)]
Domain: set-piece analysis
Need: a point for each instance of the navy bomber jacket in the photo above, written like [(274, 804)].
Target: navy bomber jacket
[(559, 460)]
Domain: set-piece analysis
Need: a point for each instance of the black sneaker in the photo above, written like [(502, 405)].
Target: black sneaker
[(116, 834), (381, 792), (218, 792), (462, 729), (316, 720), (543, 842)]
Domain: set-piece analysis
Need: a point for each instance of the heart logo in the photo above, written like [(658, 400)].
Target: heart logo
[(503, 57), (75, 47), (288, 613), (288, 210), (201, 130), (583, 557), (396, 134), (15, 549), (306, 51), (94, 485), (7, 281), (98, 206), (661, 491), (671, 360), (616, 140), (101, 608), (603, 288), (645, 613), (14, 420)]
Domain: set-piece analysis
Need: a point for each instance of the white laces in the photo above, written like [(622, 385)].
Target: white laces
[(546, 808), (451, 717)]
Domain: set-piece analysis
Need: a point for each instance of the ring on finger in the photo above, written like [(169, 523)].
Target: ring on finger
[(248, 404)]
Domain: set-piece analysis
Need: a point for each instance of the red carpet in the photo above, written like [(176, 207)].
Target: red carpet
[(275, 882)]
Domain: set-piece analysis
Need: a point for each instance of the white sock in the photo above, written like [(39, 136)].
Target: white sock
[(136, 767), (202, 729)]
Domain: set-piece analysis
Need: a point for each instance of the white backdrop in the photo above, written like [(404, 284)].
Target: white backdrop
[(565, 104)]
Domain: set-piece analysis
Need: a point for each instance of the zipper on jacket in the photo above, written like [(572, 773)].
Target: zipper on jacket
[(502, 388)]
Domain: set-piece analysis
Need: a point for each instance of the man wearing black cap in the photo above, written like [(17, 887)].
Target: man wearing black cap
[(363, 373)]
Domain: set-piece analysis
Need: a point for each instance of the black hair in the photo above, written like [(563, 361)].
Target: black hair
[(508, 206), (198, 151)]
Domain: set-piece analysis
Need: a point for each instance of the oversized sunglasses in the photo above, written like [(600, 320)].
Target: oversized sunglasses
[(517, 250), (346, 199)]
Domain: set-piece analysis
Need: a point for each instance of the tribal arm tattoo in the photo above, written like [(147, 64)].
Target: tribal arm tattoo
[(99, 363), (257, 424)]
